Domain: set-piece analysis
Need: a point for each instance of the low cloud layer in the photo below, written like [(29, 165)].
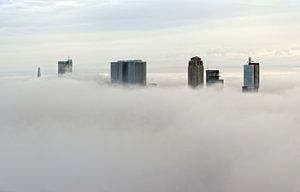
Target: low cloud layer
[(67, 135)]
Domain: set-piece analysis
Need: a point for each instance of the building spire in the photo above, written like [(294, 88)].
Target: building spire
[(250, 60), (39, 73)]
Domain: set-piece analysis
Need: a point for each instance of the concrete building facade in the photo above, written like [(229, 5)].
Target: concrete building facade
[(195, 72), (129, 72)]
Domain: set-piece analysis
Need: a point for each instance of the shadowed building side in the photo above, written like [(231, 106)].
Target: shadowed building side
[(256, 74), (195, 72)]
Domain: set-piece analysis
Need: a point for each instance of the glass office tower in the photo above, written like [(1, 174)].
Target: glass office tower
[(129, 72)]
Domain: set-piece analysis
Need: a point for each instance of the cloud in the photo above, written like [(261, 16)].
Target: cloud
[(33, 4), (132, 15), (162, 32), (77, 135)]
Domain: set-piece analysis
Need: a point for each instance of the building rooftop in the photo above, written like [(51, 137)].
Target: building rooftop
[(134, 60)]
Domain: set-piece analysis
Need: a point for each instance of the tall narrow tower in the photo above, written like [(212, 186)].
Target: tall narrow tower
[(39, 75), (195, 72), (251, 76)]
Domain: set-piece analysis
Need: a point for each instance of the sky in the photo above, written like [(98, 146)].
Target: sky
[(78, 134), (163, 32)]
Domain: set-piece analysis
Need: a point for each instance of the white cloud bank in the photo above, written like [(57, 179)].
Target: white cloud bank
[(65, 135)]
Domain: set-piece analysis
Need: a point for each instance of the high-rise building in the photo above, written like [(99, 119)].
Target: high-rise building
[(65, 67), (129, 72), (195, 72), (213, 77), (251, 77)]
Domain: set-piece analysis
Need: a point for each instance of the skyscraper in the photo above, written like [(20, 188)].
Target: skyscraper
[(251, 77), (129, 72), (195, 72), (65, 67), (213, 77)]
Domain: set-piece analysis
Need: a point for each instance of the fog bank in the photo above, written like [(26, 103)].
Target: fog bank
[(68, 135)]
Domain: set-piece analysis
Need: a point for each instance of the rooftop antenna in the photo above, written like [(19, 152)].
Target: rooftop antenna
[(250, 60)]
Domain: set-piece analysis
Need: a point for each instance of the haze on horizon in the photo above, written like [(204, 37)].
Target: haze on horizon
[(162, 32)]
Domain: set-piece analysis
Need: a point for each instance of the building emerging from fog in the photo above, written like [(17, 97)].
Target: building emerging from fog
[(195, 72), (251, 77), (129, 72), (213, 78), (65, 67)]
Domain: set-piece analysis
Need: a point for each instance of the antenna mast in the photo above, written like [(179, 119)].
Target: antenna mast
[(250, 60)]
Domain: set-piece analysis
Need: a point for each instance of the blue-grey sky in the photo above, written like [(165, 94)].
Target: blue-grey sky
[(163, 32)]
